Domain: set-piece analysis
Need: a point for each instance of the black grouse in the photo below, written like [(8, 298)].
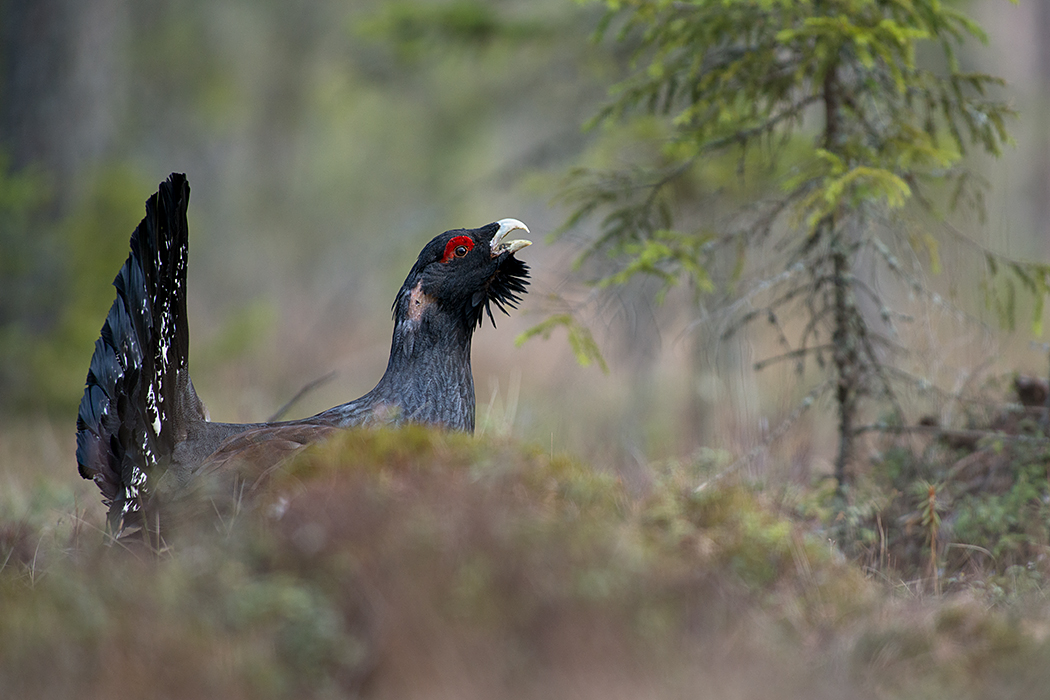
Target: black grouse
[(140, 418)]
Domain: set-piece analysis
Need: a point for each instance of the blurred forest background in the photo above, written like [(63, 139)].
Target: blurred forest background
[(325, 141)]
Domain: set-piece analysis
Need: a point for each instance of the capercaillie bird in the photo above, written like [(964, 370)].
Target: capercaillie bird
[(140, 418)]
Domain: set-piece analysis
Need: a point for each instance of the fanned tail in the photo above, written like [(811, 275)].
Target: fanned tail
[(139, 398)]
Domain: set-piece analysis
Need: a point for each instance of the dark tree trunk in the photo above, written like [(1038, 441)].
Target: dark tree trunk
[(61, 86), (845, 358)]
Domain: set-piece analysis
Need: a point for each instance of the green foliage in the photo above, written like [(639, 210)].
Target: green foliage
[(742, 75), (1000, 289), (24, 196), (853, 133), (1013, 524), (51, 302), (416, 28), (580, 339), (91, 245), (973, 517)]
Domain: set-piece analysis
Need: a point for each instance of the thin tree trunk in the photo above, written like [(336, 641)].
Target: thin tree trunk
[(1041, 201), (845, 358), (845, 353)]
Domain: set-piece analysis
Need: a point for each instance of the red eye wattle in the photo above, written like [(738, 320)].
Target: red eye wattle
[(457, 248)]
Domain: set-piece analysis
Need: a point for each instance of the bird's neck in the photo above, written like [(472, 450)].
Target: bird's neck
[(428, 377)]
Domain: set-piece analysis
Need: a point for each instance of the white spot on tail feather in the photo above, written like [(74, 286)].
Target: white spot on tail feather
[(134, 487), (153, 410)]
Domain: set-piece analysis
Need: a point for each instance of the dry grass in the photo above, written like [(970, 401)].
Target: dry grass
[(411, 564)]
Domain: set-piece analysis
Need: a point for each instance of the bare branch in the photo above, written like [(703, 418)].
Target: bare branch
[(793, 355)]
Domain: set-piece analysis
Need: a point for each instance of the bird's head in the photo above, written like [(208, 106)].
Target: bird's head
[(464, 271)]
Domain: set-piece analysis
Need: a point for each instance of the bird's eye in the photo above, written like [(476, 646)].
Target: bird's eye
[(457, 248)]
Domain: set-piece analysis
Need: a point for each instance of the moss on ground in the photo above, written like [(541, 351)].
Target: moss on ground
[(398, 563)]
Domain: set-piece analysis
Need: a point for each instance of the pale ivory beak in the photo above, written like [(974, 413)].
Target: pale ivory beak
[(499, 245)]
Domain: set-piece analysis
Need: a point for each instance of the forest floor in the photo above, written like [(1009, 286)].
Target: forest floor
[(410, 563)]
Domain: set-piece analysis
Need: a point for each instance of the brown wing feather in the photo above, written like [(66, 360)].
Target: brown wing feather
[(254, 454)]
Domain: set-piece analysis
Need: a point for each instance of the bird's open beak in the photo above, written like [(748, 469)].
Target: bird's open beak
[(499, 245)]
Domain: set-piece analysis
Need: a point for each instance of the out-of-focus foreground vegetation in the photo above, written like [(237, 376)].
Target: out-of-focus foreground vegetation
[(408, 563), (325, 142)]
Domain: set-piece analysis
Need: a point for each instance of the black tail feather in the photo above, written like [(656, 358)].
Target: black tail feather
[(138, 396)]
